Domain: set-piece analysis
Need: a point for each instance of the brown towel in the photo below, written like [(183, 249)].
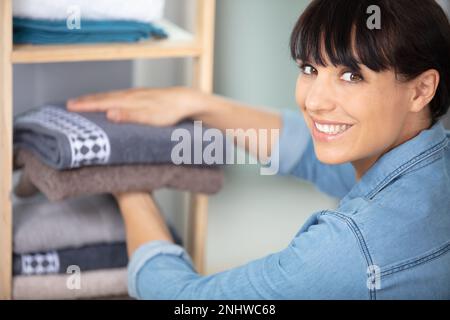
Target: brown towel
[(58, 185), (25, 188)]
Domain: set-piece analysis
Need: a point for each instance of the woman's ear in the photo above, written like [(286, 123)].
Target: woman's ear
[(425, 86)]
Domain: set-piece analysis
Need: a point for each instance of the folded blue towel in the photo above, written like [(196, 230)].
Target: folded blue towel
[(91, 31)]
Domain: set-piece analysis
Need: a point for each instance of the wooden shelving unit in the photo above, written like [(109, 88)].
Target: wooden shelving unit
[(179, 44)]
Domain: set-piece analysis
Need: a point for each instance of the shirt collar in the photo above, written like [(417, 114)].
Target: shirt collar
[(398, 161)]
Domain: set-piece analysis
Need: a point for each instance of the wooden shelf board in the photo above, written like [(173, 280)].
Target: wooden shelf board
[(180, 43)]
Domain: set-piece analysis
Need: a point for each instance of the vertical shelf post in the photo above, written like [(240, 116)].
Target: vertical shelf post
[(202, 80), (5, 149)]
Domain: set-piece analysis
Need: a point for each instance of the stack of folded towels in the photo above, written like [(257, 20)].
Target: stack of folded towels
[(50, 238), (76, 160), (86, 21), (66, 154)]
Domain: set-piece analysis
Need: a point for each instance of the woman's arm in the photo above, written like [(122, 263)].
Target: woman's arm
[(323, 261), (167, 106), (142, 219)]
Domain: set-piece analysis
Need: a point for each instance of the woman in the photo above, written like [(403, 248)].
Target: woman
[(371, 101)]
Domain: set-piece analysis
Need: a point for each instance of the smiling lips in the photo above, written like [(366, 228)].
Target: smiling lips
[(329, 131), (332, 129)]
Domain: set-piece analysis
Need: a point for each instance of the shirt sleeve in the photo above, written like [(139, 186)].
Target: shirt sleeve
[(294, 155), (323, 261)]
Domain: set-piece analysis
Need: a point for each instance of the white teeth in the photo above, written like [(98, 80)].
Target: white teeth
[(331, 128)]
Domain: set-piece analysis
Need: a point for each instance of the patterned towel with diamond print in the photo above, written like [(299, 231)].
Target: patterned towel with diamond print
[(93, 257), (66, 140), (90, 257)]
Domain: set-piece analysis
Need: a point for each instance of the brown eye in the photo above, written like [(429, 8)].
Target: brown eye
[(356, 77), (308, 69), (352, 77)]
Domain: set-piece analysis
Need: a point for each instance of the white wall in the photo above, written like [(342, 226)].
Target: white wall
[(445, 4)]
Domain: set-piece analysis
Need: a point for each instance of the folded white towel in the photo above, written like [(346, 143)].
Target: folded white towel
[(92, 284), (138, 10)]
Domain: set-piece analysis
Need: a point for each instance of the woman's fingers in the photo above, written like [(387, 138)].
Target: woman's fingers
[(99, 101), (92, 104), (142, 115), (158, 107), (136, 115)]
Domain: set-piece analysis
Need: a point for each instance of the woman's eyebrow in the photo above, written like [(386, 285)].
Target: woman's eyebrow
[(302, 62), (351, 67)]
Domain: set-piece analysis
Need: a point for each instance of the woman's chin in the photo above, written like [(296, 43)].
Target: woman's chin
[(332, 157)]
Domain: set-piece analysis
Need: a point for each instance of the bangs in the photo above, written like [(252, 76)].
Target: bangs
[(337, 32)]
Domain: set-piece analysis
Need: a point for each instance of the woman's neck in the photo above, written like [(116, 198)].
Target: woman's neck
[(410, 130), (363, 165)]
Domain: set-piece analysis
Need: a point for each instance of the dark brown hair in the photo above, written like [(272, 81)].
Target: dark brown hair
[(414, 37)]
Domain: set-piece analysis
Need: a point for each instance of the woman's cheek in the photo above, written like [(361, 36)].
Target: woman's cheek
[(301, 93), (378, 129)]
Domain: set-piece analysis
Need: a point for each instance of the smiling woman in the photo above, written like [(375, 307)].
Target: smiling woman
[(364, 91), (370, 134)]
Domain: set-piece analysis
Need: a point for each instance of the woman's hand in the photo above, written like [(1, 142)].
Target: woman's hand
[(158, 107)]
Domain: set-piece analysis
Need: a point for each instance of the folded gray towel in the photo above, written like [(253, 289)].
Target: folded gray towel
[(64, 139), (40, 225), (57, 185), (93, 284)]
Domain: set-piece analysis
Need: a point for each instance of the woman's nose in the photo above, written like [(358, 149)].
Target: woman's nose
[(320, 96)]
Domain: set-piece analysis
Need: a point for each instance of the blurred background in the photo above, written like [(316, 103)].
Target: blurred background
[(253, 215)]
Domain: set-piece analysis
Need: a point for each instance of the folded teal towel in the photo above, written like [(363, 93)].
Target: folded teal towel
[(56, 31)]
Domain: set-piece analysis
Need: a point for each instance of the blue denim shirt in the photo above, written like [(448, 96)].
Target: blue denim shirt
[(389, 238)]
